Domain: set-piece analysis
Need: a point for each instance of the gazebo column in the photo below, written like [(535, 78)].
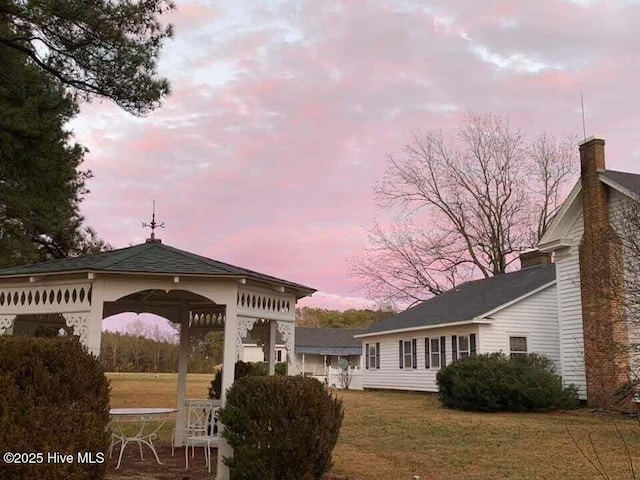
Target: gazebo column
[(96, 314), (230, 356), (183, 363), (287, 330), (271, 347)]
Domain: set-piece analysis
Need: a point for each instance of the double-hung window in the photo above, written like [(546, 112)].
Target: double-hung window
[(408, 355), (517, 346), (433, 352), (463, 345), (372, 356)]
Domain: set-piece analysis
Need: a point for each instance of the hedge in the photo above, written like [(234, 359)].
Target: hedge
[(493, 382), (54, 397), (281, 428)]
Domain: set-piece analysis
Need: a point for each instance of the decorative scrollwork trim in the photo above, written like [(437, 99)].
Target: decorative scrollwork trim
[(80, 324), (6, 322)]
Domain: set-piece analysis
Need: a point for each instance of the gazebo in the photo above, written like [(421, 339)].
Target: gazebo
[(196, 292)]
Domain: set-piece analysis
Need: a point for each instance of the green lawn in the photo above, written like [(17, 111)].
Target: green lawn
[(395, 435)]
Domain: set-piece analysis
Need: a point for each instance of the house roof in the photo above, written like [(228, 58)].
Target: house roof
[(630, 181), (554, 238), (330, 350), (328, 341), (151, 257), (322, 341), (470, 301)]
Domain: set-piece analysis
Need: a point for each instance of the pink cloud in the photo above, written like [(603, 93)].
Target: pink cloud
[(282, 117)]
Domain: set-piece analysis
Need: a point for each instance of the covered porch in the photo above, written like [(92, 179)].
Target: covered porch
[(197, 293)]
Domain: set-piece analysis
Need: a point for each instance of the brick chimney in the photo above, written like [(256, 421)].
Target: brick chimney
[(534, 258), (606, 342)]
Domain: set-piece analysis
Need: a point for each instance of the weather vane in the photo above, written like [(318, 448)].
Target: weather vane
[(153, 225)]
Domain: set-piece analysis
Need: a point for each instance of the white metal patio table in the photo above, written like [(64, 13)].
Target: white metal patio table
[(147, 419)]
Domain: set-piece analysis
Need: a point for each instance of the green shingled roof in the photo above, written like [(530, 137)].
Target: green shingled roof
[(151, 257)]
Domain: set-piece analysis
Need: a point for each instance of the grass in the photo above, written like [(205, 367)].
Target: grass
[(396, 435)]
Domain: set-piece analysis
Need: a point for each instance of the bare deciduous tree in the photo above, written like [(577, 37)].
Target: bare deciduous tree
[(465, 209), (138, 331)]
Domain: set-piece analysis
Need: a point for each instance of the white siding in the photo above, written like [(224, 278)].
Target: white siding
[(254, 353), (616, 211), (570, 302), (535, 317), (391, 376), (570, 310)]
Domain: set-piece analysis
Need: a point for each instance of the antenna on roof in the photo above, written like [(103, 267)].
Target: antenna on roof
[(584, 127), (153, 225)]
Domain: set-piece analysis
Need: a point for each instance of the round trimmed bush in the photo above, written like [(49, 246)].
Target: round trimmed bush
[(243, 369), (281, 428), (493, 382), (54, 397)]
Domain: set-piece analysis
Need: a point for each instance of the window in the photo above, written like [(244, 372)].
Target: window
[(372, 352), (408, 353), (279, 355), (435, 353), (517, 346), (463, 345)]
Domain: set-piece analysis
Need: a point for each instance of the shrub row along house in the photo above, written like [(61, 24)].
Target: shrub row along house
[(572, 310)]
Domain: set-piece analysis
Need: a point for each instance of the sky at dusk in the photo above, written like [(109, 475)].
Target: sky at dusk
[(283, 115)]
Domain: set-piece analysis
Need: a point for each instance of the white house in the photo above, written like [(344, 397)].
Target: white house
[(315, 349), (319, 348), (593, 273), (570, 310), (252, 351), (513, 313)]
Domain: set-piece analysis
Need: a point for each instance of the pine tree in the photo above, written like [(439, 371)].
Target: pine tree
[(40, 181)]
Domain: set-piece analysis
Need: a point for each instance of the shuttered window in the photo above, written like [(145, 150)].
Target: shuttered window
[(443, 352), (373, 356), (435, 352), (463, 345), (408, 354)]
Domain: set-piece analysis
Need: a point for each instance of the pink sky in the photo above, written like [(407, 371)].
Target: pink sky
[(283, 115)]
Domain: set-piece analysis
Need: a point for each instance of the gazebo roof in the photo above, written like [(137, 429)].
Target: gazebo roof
[(152, 257)]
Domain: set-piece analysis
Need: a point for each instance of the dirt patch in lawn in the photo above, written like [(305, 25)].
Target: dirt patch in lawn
[(133, 468)]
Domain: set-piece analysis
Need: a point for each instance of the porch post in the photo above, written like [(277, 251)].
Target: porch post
[(228, 375), (183, 363), (271, 347)]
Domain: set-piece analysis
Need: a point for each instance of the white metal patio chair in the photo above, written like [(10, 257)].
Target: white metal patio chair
[(201, 429), (206, 437), (189, 404)]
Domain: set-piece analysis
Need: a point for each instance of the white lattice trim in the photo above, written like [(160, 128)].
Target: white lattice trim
[(244, 325), (263, 304), (201, 318), (80, 324), (287, 330), (36, 299), (6, 322)]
